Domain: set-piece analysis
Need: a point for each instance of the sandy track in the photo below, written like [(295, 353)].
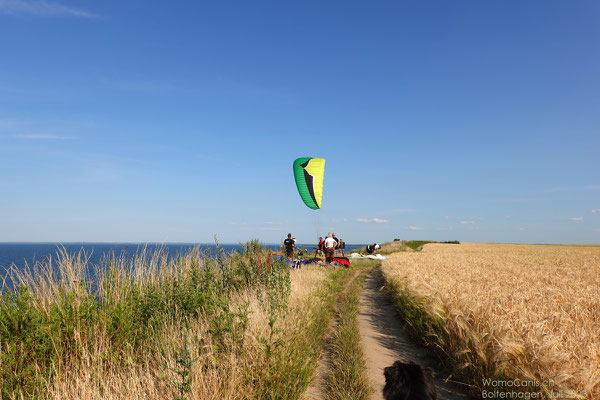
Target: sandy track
[(385, 341)]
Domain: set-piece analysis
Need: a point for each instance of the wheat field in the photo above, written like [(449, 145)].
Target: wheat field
[(510, 311)]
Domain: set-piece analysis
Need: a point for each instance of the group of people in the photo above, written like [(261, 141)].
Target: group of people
[(330, 246)]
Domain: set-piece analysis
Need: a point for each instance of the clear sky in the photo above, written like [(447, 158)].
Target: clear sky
[(165, 121)]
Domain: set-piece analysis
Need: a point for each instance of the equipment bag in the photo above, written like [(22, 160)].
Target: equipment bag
[(343, 261)]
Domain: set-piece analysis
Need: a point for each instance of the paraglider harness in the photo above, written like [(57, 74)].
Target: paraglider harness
[(342, 261)]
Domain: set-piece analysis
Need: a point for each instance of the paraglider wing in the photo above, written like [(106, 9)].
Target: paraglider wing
[(308, 173)]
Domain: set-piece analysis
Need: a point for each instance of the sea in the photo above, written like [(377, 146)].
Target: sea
[(20, 255)]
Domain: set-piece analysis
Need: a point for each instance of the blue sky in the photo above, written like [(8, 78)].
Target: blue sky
[(143, 121)]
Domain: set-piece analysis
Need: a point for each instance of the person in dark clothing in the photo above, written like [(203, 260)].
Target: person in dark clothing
[(342, 247), (372, 248), (321, 246), (290, 246)]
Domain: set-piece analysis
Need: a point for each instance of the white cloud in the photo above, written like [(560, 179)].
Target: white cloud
[(37, 136), (575, 219), (596, 211), (372, 220), (413, 228), (467, 222), (42, 9)]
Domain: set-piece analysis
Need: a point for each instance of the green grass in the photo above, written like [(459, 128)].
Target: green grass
[(347, 378), (55, 316), (292, 370), (418, 244), (422, 325)]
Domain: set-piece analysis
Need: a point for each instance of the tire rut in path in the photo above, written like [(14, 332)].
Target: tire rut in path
[(385, 340), (317, 388)]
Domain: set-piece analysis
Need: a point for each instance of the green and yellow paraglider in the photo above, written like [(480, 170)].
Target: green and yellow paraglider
[(308, 172)]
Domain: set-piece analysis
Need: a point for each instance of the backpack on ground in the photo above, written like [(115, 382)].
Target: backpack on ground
[(343, 261)]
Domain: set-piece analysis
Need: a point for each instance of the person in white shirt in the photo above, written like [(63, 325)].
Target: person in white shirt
[(330, 245), (337, 244)]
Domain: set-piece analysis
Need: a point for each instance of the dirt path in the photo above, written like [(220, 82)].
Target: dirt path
[(316, 391), (385, 340)]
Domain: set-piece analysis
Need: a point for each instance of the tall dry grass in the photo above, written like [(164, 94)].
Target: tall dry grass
[(347, 375), (241, 374), (507, 311), (235, 326)]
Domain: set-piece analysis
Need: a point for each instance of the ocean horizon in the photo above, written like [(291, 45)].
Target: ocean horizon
[(21, 254)]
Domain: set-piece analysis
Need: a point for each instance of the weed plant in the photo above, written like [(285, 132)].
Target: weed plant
[(61, 312), (347, 378)]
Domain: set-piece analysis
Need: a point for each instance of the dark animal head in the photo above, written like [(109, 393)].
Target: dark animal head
[(408, 381)]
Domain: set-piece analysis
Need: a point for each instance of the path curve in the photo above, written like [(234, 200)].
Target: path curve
[(385, 340)]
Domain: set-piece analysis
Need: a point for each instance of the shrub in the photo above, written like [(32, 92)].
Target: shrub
[(55, 316)]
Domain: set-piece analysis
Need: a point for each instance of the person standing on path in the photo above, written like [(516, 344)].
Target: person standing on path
[(330, 244)]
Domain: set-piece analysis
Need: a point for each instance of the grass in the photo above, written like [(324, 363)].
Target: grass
[(505, 311), (347, 377), (397, 246), (417, 245), (149, 326)]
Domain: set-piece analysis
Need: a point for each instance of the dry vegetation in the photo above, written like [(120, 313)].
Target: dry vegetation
[(239, 374), (393, 247), (506, 311), (347, 375), (236, 326)]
